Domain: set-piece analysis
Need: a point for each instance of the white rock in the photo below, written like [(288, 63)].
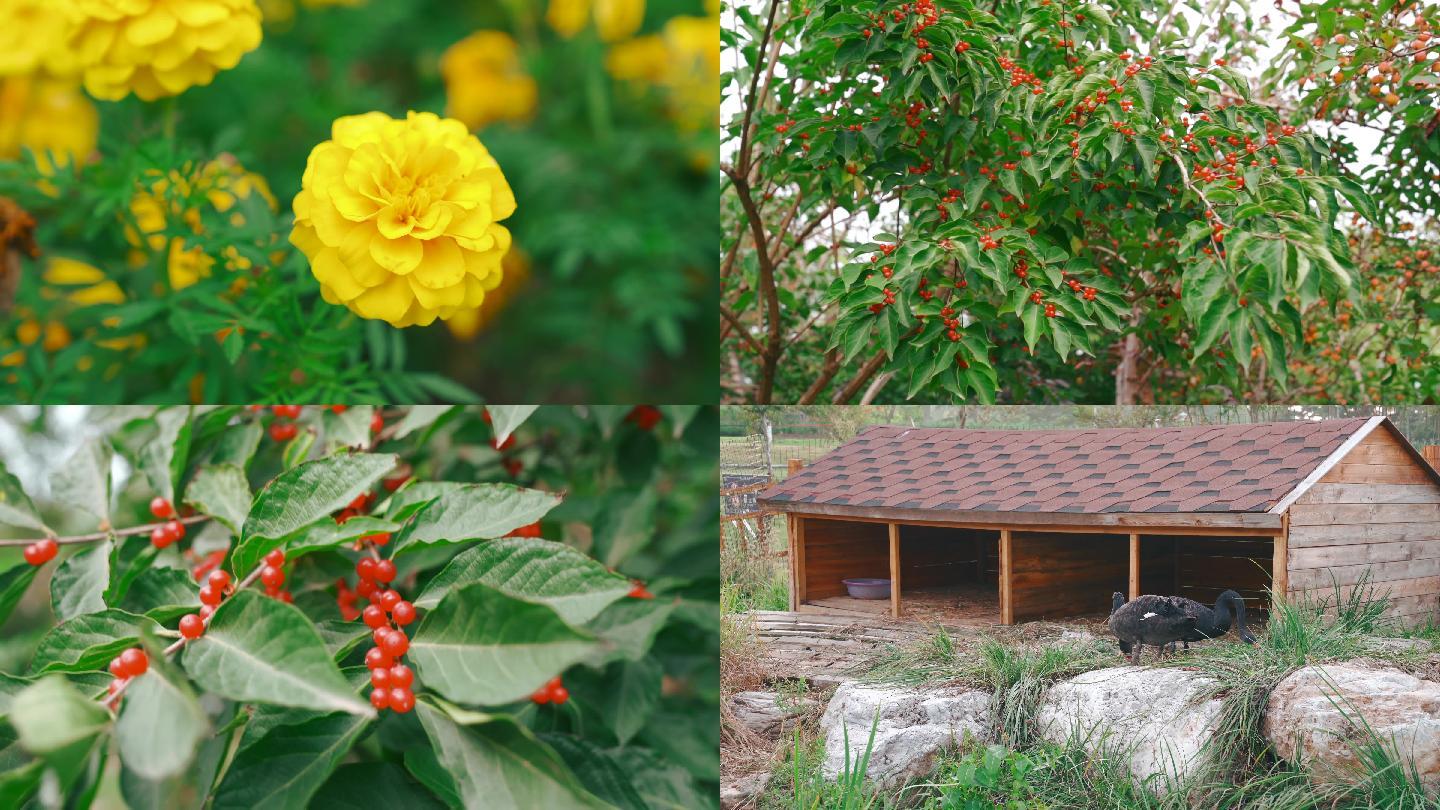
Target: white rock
[(764, 712), (740, 792), (1156, 720), (1314, 715), (914, 727)]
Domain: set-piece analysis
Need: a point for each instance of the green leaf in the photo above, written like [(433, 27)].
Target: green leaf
[(479, 646), (625, 525), (283, 769), (1030, 318), (475, 512), (222, 492), (328, 534), (418, 417), (237, 445), (301, 496), (88, 642), (162, 456), (84, 481), (629, 627), (506, 418), (553, 574), (664, 785), (499, 765), (349, 428), (622, 697), (371, 785), (259, 649), (597, 770), (15, 506), (13, 582), (50, 714), (80, 582), (161, 723), (163, 594)]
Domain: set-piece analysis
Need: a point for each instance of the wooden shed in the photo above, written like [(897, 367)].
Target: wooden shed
[(1008, 526)]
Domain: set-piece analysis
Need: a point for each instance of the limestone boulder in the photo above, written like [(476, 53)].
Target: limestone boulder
[(913, 727)]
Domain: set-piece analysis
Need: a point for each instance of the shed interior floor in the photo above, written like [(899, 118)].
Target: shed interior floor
[(966, 605)]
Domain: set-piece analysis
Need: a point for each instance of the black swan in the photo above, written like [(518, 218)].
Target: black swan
[(1215, 622), (1148, 619)]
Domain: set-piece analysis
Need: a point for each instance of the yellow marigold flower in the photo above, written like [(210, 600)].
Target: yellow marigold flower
[(643, 59), (619, 19), (48, 116), (694, 79), (712, 7), (399, 217), (568, 17), (28, 332), (12, 360), (57, 337), (33, 39), (94, 287), (467, 323), (485, 82), (157, 48)]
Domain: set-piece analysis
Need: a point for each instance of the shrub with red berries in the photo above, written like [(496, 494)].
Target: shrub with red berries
[(1056, 187), (383, 580)]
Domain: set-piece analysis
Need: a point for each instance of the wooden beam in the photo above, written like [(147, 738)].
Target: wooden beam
[(1121, 523), (1134, 565), (792, 535), (895, 570), (795, 466), (1280, 564), (798, 560), (1007, 608)]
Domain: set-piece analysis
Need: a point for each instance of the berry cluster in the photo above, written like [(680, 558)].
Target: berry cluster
[(272, 575), (552, 692), (283, 427), (171, 530), (41, 552), (385, 615), (125, 666)]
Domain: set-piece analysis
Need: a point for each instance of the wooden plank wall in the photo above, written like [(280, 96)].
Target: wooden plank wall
[(1211, 565), (1377, 510), (935, 555), (1058, 575), (839, 549), (1158, 572)]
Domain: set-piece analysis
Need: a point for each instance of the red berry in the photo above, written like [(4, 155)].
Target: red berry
[(640, 592), (559, 694), (401, 700), (210, 596), (379, 698), (379, 538), (388, 600), (541, 695), (533, 530), (206, 611), (219, 580), (360, 501), (400, 675), (114, 686), (161, 508), (644, 417), (175, 530), (380, 677), (283, 431), (34, 554), (287, 597), (134, 662), (403, 613), (376, 658), (275, 558), (374, 616), (384, 570), (365, 568), (378, 635), (191, 626), (286, 411), (159, 538), (117, 668), (377, 423), (395, 643), (365, 588), (272, 577), (339, 408)]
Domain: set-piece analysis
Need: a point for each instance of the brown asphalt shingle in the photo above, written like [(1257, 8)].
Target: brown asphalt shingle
[(1220, 468)]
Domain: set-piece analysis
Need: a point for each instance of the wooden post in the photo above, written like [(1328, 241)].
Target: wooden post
[(1134, 565), (790, 533), (1007, 609), (798, 561), (894, 570), (1280, 562), (795, 466)]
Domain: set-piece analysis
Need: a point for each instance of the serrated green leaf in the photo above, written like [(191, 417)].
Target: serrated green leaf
[(371, 785), (88, 642), (506, 418), (622, 696), (80, 582), (163, 594), (222, 492), (349, 428), (283, 769), (15, 506), (598, 770), (13, 582), (475, 512), (83, 482), (259, 649), (629, 628), (160, 725), (480, 646), (575, 586), (500, 765), (51, 714)]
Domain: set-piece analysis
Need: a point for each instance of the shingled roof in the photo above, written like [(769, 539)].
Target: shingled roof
[(1246, 468)]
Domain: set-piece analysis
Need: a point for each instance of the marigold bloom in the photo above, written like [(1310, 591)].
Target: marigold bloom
[(48, 116), (33, 39), (485, 82), (157, 48), (467, 323), (619, 19), (399, 217), (684, 60), (568, 17)]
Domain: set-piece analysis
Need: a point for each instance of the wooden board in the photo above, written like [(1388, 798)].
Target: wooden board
[(1343, 535), (1006, 577), (1134, 565), (895, 584), (1370, 493), (1056, 575), (1352, 514), (835, 550), (1149, 522)]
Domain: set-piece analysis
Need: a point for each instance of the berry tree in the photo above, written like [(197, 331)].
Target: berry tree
[(1031, 201), (505, 607)]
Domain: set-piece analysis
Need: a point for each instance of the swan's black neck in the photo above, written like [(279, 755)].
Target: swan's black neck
[(1230, 601)]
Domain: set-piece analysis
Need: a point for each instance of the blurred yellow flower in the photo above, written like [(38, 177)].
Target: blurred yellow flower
[(614, 19), (400, 217), (223, 183), (48, 116), (485, 82), (684, 60), (94, 288), (643, 59), (33, 39), (467, 323), (618, 19), (157, 48)]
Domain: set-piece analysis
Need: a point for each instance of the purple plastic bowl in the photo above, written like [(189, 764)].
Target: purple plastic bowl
[(864, 588)]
